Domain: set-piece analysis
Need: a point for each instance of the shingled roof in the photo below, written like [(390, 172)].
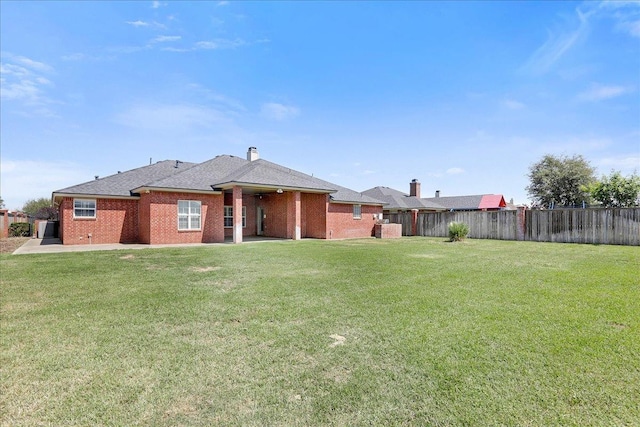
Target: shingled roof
[(220, 173), (121, 183), (264, 173), (401, 201), (474, 202)]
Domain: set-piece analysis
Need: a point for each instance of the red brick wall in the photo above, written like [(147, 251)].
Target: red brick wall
[(160, 211), (144, 213), (116, 221), (154, 219), (342, 225), (275, 210), (314, 215)]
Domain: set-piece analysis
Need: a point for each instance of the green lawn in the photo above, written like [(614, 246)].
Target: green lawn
[(415, 331)]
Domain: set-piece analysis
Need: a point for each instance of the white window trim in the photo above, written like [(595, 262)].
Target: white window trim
[(190, 215), (244, 216), (357, 211), (95, 209)]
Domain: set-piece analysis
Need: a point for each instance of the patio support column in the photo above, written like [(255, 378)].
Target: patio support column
[(294, 216), (237, 214)]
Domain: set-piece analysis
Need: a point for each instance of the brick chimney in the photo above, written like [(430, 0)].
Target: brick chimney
[(252, 154), (414, 188)]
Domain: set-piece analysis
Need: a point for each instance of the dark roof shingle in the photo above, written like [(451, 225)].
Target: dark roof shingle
[(398, 200), (121, 184), (220, 172)]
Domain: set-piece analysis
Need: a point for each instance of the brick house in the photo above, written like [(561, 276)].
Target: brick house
[(399, 202), (225, 197), (402, 208)]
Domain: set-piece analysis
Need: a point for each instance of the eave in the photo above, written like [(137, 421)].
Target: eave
[(140, 190), (270, 187), (56, 196)]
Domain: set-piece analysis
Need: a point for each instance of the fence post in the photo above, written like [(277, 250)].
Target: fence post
[(5, 223), (414, 222), (521, 226)]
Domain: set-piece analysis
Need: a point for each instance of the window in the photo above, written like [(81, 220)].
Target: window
[(357, 211), (228, 216), (188, 215), (84, 208)]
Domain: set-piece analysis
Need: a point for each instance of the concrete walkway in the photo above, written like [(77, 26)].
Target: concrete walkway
[(44, 246)]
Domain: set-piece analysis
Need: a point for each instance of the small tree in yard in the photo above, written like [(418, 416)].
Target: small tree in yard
[(458, 231), (40, 208), (616, 191), (560, 181)]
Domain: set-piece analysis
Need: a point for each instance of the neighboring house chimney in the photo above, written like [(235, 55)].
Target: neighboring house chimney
[(437, 193), (414, 188), (252, 154)]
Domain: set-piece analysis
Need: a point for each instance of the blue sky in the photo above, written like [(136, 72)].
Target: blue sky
[(463, 96)]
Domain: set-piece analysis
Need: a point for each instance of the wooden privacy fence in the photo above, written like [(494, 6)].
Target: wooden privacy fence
[(7, 218), (404, 218), (499, 225), (600, 226)]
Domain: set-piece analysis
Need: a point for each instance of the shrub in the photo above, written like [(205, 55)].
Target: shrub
[(458, 231), (20, 229)]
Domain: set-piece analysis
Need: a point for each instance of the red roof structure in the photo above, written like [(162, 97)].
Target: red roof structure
[(492, 201)]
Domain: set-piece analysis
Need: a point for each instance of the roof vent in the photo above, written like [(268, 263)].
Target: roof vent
[(97, 177), (437, 193), (252, 154), (177, 163)]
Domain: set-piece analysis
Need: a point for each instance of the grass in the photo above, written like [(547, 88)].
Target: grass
[(414, 331)]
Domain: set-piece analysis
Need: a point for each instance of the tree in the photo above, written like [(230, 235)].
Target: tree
[(37, 208), (616, 191), (560, 181), (1, 203)]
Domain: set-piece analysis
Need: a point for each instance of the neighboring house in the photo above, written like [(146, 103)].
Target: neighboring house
[(227, 196), (399, 202), (402, 208), (480, 202)]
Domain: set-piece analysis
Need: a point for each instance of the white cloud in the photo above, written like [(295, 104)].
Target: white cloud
[(176, 49), (626, 164), (626, 18), (138, 23), (280, 112), (30, 63), (22, 80), (599, 92), (220, 44), (28, 179), (221, 101), (558, 43), (631, 27), (455, 171), (171, 117), (625, 13), (158, 4), (163, 39), (513, 104)]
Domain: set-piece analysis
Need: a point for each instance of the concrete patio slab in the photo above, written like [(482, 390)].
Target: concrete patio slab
[(52, 245)]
